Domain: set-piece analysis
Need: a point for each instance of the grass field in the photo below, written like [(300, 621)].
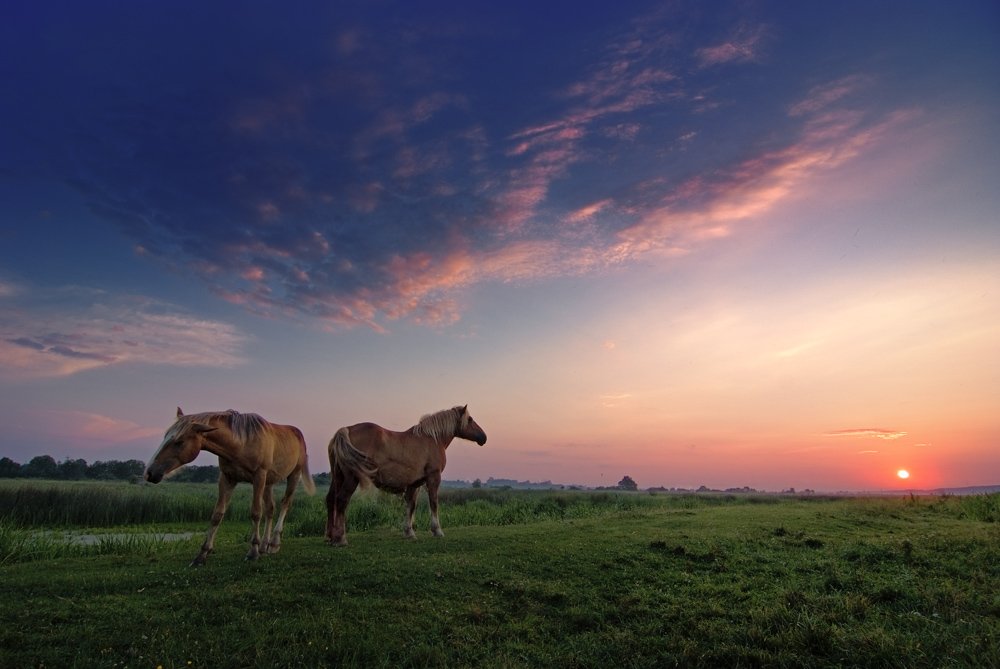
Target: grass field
[(521, 580)]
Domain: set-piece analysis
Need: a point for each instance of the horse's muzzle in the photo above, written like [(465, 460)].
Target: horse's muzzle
[(153, 477)]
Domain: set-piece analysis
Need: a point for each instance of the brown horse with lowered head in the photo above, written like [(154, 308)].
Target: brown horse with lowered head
[(397, 462), (249, 449)]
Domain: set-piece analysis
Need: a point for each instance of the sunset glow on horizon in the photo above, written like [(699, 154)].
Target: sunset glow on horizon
[(739, 245)]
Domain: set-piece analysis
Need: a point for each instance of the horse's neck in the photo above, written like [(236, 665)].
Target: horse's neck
[(442, 440), (221, 443)]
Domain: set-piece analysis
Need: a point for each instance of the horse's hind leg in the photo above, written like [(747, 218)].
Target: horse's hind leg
[(433, 482), (411, 505), (225, 492), (342, 486), (286, 502), (331, 508)]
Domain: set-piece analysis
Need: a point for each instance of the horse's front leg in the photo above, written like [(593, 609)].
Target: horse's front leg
[(256, 505), (433, 482), (222, 503), (410, 496), (268, 517)]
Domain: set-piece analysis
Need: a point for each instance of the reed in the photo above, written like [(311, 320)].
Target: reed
[(105, 504)]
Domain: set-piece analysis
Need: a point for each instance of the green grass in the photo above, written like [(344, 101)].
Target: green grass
[(538, 579)]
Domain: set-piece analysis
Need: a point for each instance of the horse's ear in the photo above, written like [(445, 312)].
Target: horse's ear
[(179, 412), (465, 409)]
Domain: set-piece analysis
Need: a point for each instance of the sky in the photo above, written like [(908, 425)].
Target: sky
[(731, 244)]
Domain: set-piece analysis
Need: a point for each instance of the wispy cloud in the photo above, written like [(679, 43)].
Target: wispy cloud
[(868, 433), (613, 400), (744, 45), (710, 206), (827, 94), (47, 333)]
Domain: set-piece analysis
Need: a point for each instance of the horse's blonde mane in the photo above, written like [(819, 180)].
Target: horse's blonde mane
[(441, 425), (244, 426)]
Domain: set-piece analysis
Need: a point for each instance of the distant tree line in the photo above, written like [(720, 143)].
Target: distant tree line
[(45, 467)]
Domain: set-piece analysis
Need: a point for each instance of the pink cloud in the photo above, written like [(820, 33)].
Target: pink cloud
[(268, 211), (619, 85), (744, 46), (668, 220), (284, 110), (94, 331), (365, 199), (422, 284), (253, 274), (397, 122), (703, 208), (822, 96), (588, 212), (24, 362), (92, 428), (553, 135)]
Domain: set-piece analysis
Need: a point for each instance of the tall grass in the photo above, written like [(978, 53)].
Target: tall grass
[(51, 504), (112, 504), (980, 507), (105, 504), (490, 507)]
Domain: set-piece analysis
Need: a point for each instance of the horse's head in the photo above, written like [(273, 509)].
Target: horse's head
[(468, 428), (181, 444)]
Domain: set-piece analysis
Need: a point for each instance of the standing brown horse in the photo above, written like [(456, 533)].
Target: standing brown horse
[(398, 462), (249, 449)]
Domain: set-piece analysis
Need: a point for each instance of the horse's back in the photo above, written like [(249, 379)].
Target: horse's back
[(402, 458), (287, 447), (368, 437)]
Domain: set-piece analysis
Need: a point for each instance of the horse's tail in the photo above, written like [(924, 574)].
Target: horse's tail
[(345, 455), (307, 479)]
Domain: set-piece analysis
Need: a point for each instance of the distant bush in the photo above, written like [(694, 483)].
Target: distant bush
[(45, 467)]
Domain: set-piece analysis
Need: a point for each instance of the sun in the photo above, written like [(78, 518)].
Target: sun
[(903, 474)]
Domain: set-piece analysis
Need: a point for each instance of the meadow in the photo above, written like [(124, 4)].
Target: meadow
[(522, 579)]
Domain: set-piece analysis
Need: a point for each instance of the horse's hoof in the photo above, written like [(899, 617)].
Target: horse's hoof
[(337, 543), (200, 558)]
